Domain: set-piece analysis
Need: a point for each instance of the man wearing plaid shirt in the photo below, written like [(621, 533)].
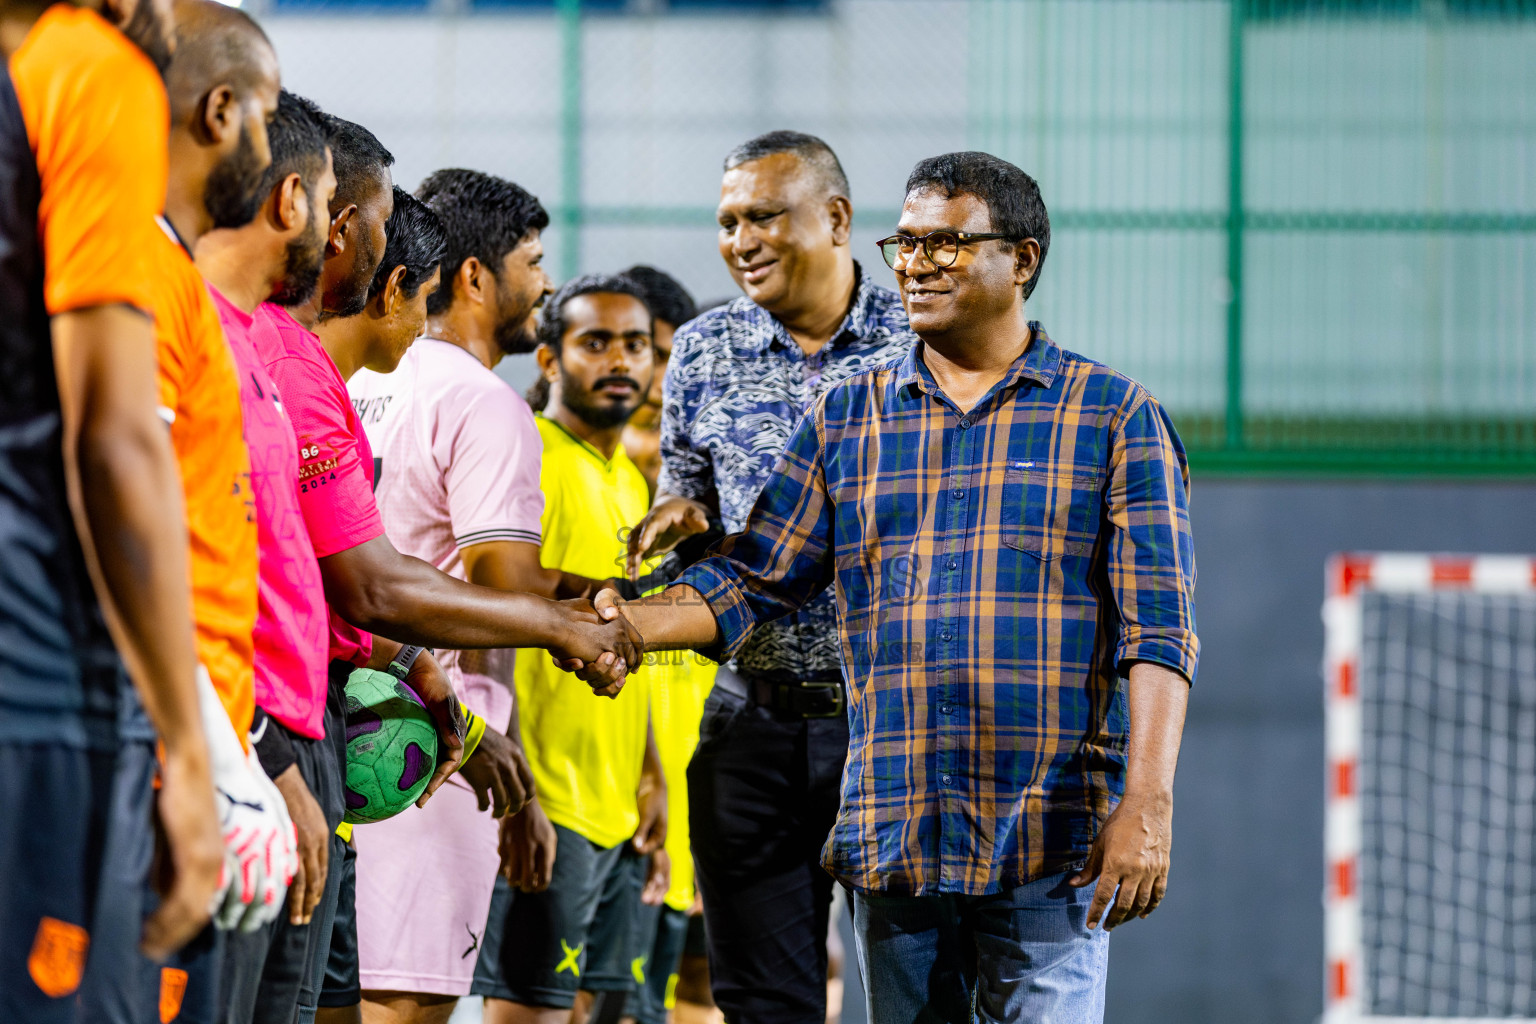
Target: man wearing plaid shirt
[(1006, 528)]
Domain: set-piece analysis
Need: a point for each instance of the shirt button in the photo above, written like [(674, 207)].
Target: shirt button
[(953, 565), (958, 492), (945, 709), (946, 636), (946, 779), (964, 424)]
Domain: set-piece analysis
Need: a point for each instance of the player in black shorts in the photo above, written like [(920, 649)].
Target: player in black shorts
[(78, 410)]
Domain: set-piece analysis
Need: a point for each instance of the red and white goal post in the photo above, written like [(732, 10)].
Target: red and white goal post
[(1430, 827)]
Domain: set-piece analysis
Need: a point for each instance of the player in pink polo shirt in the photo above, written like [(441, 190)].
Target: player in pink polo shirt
[(332, 490), (371, 586), (459, 487)]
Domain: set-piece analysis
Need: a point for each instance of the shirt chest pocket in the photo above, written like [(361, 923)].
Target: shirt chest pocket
[(1049, 511)]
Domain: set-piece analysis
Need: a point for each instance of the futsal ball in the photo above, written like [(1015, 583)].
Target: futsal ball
[(391, 746)]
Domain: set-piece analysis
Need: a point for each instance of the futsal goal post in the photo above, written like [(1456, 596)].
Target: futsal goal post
[(1430, 828)]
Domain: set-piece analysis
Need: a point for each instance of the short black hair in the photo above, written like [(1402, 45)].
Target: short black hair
[(415, 241), (1012, 197), (298, 144), (358, 157), (668, 300), (815, 153), (484, 217), (552, 323)]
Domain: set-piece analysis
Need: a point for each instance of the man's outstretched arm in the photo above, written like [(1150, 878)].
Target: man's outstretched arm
[(779, 562), (676, 619), (516, 566), (375, 587)]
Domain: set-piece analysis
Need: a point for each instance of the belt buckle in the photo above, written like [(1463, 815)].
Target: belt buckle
[(834, 691)]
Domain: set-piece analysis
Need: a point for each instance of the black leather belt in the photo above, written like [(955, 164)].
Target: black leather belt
[(802, 698)]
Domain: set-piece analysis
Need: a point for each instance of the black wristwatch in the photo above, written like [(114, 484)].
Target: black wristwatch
[(400, 665)]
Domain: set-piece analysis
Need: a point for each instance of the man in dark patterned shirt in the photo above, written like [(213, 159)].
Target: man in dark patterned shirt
[(764, 783), (1004, 524)]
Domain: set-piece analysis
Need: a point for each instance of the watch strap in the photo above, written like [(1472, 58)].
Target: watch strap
[(400, 665)]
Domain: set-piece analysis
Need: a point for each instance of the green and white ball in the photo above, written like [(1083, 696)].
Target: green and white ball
[(391, 746)]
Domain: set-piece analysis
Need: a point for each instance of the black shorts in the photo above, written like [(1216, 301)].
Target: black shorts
[(661, 934), (343, 985), (193, 978), (293, 968), (222, 972), (76, 843), (539, 949)]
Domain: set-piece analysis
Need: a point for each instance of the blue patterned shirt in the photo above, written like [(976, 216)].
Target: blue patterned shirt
[(996, 571), (736, 385)]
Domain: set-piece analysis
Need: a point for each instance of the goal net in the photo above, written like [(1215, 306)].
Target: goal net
[(1431, 822)]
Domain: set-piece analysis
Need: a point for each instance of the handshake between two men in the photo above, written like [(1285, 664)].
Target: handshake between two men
[(603, 647), (677, 618)]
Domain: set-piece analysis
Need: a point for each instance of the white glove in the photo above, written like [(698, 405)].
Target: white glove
[(287, 858), (260, 847)]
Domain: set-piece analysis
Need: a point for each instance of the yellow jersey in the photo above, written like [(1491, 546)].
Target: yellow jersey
[(679, 682), (586, 752)]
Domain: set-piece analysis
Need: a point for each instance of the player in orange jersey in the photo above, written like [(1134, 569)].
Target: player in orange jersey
[(223, 85), (92, 543)]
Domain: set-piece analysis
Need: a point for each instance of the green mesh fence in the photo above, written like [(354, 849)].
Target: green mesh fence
[(1308, 226)]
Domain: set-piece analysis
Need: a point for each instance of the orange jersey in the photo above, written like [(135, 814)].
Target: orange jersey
[(93, 125), (98, 122), (200, 397)]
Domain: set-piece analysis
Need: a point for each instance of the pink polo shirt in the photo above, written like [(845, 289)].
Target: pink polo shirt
[(458, 465), (335, 474), (291, 638)]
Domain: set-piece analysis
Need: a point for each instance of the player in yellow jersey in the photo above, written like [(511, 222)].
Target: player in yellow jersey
[(679, 682)]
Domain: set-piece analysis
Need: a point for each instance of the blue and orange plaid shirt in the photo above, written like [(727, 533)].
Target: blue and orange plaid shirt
[(996, 571)]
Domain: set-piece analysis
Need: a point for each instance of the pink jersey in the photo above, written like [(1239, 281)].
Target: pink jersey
[(291, 636), (335, 474), (459, 457)]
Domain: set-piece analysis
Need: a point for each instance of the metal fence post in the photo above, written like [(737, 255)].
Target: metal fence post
[(1234, 410), (569, 12)]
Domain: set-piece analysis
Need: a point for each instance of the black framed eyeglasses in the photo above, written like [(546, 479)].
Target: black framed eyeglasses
[(941, 247)]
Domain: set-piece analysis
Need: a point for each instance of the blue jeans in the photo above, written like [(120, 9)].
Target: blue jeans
[(1021, 955)]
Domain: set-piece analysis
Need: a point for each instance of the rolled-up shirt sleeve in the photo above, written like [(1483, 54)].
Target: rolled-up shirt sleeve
[(1151, 549), (781, 559)]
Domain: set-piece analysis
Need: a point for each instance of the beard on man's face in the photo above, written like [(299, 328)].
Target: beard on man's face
[(351, 296), (232, 195), (516, 337), (303, 262), (146, 29), (595, 409), (514, 333)]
